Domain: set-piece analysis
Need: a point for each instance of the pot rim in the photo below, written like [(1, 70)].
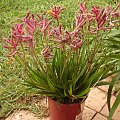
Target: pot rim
[(83, 100)]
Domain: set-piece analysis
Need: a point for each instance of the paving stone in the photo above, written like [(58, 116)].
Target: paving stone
[(45, 118), (116, 115), (88, 113), (96, 99), (105, 87), (104, 111), (22, 115), (99, 117)]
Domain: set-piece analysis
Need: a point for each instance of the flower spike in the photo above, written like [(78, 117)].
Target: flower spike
[(44, 25), (46, 52), (55, 12)]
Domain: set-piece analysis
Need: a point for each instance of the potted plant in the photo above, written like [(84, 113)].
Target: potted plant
[(64, 64)]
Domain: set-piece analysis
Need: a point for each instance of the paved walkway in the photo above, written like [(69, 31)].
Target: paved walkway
[(95, 107)]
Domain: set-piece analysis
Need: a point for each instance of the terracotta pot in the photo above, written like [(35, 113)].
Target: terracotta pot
[(59, 111)]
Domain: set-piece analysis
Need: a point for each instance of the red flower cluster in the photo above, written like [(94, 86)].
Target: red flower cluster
[(46, 52), (73, 40), (22, 32), (96, 20), (30, 23), (44, 25), (12, 46), (55, 12), (101, 17)]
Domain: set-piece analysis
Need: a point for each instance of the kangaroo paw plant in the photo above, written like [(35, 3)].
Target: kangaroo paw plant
[(65, 63)]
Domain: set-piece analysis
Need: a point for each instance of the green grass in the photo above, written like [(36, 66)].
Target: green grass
[(12, 89), (10, 10)]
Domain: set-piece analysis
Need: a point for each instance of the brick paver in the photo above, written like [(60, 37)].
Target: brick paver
[(105, 112), (99, 117), (88, 113), (105, 87), (96, 99)]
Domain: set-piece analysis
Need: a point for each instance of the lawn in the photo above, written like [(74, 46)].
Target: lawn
[(13, 93)]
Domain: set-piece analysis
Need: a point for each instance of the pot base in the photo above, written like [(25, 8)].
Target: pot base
[(59, 111)]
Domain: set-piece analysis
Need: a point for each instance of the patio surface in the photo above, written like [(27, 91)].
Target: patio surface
[(95, 108)]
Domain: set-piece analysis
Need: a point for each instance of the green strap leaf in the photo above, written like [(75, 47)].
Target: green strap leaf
[(103, 83), (111, 88), (84, 92)]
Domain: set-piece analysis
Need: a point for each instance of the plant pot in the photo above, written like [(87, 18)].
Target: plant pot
[(59, 111)]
